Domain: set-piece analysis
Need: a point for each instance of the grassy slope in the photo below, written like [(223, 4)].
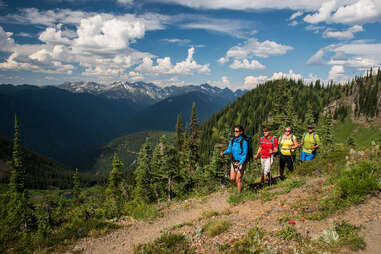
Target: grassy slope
[(127, 148)]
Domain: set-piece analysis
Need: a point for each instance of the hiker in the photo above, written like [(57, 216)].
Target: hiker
[(310, 143), (238, 147), (287, 146), (268, 146)]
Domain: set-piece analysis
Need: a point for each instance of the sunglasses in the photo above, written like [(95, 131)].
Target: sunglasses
[(236, 131), (287, 131)]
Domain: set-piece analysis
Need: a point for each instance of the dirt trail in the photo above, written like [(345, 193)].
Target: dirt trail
[(124, 240), (243, 217)]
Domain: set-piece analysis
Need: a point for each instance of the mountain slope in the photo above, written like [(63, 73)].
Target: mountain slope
[(58, 123), (163, 115), (127, 147)]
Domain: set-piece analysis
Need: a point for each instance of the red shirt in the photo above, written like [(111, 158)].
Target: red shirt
[(267, 144)]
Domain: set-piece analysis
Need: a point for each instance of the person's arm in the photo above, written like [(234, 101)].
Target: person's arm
[(296, 145), (317, 142), (242, 157), (258, 152), (275, 145)]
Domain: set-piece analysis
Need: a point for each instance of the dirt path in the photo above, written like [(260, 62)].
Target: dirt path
[(124, 240), (243, 217)]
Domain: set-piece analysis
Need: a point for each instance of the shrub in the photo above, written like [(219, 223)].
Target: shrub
[(141, 210), (349, 237), (209, 214), (289, 233), (358, 181), (166, 244), (213, 228)]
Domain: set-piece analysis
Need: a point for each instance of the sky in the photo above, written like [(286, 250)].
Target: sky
[(226, 43)]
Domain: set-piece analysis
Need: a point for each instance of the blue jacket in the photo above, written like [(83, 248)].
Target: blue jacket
[(235, 149)]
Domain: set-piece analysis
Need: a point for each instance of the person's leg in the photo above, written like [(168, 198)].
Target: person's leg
[(303, 157), (263, 171), (267, 163), (282, 164), (289, 163), (233, 174), (238, 181)]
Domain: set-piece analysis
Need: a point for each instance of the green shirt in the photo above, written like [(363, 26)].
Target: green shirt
[(309, 142)]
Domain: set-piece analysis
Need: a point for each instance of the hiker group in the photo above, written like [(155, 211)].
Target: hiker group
[(269, 146)]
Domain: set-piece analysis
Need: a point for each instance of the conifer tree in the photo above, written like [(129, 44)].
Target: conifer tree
[(179, 133), (142, 191), (114, 188), (309, 117), (193, 142), (17, 177), (156, 180), (170, 171), (76, 186)]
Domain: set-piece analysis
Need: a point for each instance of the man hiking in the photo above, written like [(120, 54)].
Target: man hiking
[(287, 146), (238, 147), (310, 142), (268, 146)]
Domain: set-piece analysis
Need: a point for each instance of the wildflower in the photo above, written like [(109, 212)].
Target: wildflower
[(356, 159), (331, 186), (302, 219), (292, 222), (366, 157)]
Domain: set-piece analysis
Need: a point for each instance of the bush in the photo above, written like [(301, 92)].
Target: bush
[(166, 244), (213, 228), (289, 233), (349, 237), (141, 210), (358, 181)]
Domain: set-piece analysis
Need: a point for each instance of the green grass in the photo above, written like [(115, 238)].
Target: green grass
[(349, 236), (289, 233), (236, 198), (208, 214), (166, 244), (216, 227), (142, 211)]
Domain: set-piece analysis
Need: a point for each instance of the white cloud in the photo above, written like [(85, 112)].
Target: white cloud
[(180, 42), (336, 73), (293, 23), (22, 34), (174, 81), (289, 75), (246, 64), (164, 66), (6, 42), (359, 55), (252, 82), (249, 4), (252, 47), (295, 15), (53, 36), (343, 35), (349, 12), (125, 1)]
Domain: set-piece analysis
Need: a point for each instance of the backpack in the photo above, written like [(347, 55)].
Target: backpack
[(272, 143), (291, 138), (314, 134), (249, 155)]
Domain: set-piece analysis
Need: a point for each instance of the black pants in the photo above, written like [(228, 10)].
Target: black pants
[(286, 159)]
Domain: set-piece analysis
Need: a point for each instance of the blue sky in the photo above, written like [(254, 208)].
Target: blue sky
[(235, 44)]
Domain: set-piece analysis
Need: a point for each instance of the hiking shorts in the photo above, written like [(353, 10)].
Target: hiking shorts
[(241, 168), (307, 156), (266, 165)]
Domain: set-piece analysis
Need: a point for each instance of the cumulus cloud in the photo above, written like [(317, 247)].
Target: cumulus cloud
[(343, 35), (125, 1), (252, 47), (336, 73), (100, 43), (252, 82), (249, 4), (359, 55), (164, 66), (246, 64), (346, 12), (6, 41)]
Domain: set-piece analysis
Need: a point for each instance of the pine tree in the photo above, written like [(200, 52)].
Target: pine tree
[(179, 133), (17, 177), (309, 117), (76, 186), (142, 191), (193, 143), (114, 188)]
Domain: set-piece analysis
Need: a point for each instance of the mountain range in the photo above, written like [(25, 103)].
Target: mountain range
[(64, 121)]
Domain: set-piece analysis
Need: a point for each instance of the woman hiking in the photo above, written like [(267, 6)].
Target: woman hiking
[(310, 142), (238, 147), (287, 146), (268, 146)]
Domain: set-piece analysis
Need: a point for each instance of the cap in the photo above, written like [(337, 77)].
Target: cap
[(310, 126)]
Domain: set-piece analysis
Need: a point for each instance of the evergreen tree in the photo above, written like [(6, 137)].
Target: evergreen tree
[(114, 188), (76, 186), (17, 177), (309, 116), (179, 133), (192, 151), (142, 191)]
